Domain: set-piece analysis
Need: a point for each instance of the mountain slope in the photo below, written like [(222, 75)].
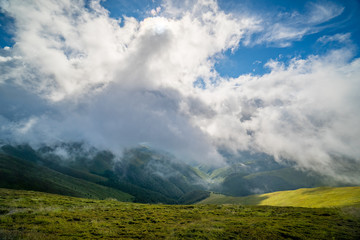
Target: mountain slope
[(281, 179), (250, 173), (305, 197), (157, 172), (148, 175), (21, 174)]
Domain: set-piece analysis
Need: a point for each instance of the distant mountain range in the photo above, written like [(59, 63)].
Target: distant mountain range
[(143, 174)]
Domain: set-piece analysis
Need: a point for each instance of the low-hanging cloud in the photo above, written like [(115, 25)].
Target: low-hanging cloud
[(76, 74)]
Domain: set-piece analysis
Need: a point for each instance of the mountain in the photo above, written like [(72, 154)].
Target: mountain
[(253, 173), (146, 174), (287, 178), (158, 172), (22, 174), (150, 176), (305, 197)]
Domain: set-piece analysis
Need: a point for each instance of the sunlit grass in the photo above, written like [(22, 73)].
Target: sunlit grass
[(34, 215), (305, 197)]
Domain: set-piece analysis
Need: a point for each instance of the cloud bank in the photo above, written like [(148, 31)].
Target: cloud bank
[(76, 74)]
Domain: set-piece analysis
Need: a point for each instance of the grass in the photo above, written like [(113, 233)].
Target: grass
[(35, 215), (305, 197)]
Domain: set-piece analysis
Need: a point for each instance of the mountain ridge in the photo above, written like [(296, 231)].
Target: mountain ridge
[(152, 176)]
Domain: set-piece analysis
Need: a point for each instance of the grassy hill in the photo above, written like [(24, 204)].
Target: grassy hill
[(158, 172), (252, 173), (292, 177), (21, 174), (287, 178), (305, 197), (34, 215), (148, 175)]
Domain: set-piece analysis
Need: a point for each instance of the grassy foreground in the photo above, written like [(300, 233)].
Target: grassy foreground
[(306, 197), (34, 215)]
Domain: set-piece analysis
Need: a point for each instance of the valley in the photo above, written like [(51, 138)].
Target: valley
[(166, 119), (145, 175), (79, 192)]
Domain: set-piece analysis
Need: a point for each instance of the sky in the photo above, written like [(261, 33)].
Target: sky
[(188, 77)]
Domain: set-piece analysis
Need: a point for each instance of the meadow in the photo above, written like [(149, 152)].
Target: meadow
[(35, 215), (320, 197)]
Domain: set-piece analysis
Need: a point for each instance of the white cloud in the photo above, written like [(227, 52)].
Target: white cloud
[(116, 87), (24, 128), (306, 112), (5, 59), (320, 13), (339, 37), (155, 11), (286, 27), (137, 75)]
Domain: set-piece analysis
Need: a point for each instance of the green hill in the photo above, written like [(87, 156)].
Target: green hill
[(253, 173), (34, 215), (291, 177), (148, 175), (21, 174), (157, 172), (286, 178), (305, 197)]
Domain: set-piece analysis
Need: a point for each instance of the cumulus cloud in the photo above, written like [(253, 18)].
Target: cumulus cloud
[(306, 112), (82, 76), (115, 86)]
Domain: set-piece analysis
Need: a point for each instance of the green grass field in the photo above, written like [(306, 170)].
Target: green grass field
[(35, 215), (304, 197)]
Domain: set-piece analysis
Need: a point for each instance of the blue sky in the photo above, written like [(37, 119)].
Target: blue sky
[(246, 59), (188, 77), (251, 59)]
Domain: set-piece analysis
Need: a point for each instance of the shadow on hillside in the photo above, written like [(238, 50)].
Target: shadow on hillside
[(316, 190), (253, 200)]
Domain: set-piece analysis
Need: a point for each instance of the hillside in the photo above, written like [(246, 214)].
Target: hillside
[(158, 172), (148, 175), (20, 174), (254, 173), (285, 178), (305, 197), (34, 215)]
